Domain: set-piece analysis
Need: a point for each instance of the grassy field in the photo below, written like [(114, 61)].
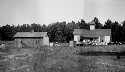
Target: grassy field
[(62, 59)]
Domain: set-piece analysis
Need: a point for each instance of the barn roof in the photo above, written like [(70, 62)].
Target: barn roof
[(96, 32), (30, 34)]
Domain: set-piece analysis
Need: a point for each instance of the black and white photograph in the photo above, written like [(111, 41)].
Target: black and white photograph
[(62, 35)]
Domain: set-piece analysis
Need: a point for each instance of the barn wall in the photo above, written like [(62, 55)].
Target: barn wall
[(46, 41), (17, 43), (28, 42)]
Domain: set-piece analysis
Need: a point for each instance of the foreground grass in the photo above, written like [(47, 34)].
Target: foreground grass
[(57, 59), (63, 59), (4, 66)]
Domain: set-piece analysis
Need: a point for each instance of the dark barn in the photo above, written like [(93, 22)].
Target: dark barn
[(31, 39)]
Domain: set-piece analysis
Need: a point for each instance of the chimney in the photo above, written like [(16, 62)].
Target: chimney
[(32, 31), (92, 25)]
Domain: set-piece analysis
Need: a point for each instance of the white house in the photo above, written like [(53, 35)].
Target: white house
[(100, 35)]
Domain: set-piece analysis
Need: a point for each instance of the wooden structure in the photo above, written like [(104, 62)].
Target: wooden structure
[(98, 35), (31, 39)]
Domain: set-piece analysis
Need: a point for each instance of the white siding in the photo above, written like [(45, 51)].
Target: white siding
[(92, 27), (107, 39), (76, 38)]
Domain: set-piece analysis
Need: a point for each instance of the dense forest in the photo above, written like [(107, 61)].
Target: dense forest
[(62, 31)]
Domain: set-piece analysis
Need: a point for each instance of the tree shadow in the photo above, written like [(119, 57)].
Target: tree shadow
[(98, 53)]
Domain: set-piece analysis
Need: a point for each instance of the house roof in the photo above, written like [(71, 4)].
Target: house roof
[(95, 33), (30, 34)]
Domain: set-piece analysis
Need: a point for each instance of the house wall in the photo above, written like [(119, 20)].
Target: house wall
[(107, 38), (98, 39), (76, 38), (104, 38), (101, 38)]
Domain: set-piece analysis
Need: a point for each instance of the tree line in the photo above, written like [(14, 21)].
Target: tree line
[(62, 31)]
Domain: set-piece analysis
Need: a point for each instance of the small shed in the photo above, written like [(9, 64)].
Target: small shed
[(31, 39)]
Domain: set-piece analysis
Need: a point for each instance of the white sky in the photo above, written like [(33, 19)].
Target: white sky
[(48, 11)]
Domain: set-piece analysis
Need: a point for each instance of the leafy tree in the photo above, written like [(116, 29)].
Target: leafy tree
[(44, 28), (123, 31), (115, 36), (58, 32), (62, 31), (98, 24), (36, 27), (70, 28), (82, 24), (108, 24), (7, 32)]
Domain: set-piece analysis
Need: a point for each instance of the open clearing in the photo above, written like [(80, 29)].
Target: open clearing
[(63, 59)]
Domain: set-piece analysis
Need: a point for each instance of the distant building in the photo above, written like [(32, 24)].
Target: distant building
[(100, 35), (31, 39)]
